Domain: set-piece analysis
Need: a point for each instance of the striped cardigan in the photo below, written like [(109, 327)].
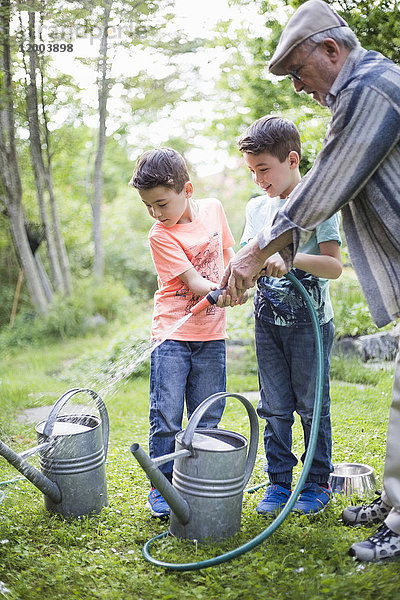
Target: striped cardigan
[(357, 172)]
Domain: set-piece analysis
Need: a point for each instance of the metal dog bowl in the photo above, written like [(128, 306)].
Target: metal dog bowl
[(353, 478)]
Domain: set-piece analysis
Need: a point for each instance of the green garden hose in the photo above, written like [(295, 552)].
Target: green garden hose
[(211, 562)]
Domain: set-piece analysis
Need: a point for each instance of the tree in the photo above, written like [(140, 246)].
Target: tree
[(48, 171), (146, 20), (10, 181), (249, 91), (42, 167), (103, 84)]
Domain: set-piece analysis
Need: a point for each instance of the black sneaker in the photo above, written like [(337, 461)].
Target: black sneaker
[(376, 512), (383, 545)]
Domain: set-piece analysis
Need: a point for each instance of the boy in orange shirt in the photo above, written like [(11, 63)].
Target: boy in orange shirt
[(190, 244)]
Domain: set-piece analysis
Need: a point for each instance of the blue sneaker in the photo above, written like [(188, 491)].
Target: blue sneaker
[(157, 505), (313, 499), (274, 500)]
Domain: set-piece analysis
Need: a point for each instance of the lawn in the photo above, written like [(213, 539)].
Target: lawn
[(100, 557)]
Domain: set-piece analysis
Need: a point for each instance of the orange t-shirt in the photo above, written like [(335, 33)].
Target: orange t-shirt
[(199, 244)]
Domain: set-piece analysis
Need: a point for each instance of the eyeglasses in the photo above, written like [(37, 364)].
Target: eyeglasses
[(294, 75)]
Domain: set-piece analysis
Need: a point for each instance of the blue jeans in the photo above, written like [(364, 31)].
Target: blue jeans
[(287, 366), (180, 371)]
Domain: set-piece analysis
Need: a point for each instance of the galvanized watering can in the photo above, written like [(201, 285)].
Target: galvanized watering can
[(211, 470), (72, 451)]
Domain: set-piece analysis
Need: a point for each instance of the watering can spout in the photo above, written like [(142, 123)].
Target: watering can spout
[(43, 483), (178, 505)]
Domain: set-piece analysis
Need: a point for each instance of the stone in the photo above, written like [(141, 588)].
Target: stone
[(377, 346)]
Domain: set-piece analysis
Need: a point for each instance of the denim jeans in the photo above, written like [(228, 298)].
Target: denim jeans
[(287, 366), (180, 371)]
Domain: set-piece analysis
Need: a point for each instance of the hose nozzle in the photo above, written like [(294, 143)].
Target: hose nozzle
[(210, 299)]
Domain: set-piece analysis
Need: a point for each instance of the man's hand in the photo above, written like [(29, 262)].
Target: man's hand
[(247, 265), (243, 270)]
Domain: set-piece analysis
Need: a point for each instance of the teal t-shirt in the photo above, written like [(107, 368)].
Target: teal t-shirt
[(277, 300)]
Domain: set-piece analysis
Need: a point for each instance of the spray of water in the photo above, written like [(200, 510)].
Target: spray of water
[(128, 361), (106, 384), (4, 590), (117, 372)]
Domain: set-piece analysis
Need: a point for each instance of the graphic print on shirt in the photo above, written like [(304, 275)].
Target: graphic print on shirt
[(285, 305), (205, 261)]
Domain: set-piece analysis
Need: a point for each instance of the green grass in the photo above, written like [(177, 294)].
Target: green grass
[(43, 556), (352, 370)]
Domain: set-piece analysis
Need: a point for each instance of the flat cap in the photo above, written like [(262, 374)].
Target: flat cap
[(310, 18)]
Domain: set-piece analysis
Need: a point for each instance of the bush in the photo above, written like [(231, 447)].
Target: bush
[(352, 316), (126, 248), (108, 298), (67, 315)]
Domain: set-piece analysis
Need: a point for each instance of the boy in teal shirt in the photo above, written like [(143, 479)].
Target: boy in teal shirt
[(285, 343)]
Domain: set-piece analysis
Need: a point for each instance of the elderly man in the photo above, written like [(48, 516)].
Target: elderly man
[(357, 171)]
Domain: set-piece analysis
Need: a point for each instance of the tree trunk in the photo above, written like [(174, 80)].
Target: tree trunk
[(9, 169), (58, 238), (37, 159), (27, 259), (103, 91)]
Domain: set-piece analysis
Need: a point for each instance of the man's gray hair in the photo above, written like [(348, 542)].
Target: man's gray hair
[(342, 35)]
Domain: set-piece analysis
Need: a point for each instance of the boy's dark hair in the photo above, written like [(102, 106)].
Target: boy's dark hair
[(271, 134), (160, 166)]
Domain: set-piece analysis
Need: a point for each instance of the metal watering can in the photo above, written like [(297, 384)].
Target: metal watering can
[(72, 451), (211, 470)]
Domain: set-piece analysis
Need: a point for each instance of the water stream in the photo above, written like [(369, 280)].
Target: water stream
[(105, 384)]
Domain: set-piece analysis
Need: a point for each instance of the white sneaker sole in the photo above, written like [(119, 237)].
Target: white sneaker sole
[(158, 515)]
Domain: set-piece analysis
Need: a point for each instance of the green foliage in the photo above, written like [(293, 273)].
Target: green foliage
[(131, 349), (353, 320), (68, 316), (142, 29), (105, 364), (9, 273), (125, 358), (127, 253), (352, 316), (108, 297), (250, 92)]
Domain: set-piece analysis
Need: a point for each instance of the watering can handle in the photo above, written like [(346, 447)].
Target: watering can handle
[(48, 428), (194, 420)]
